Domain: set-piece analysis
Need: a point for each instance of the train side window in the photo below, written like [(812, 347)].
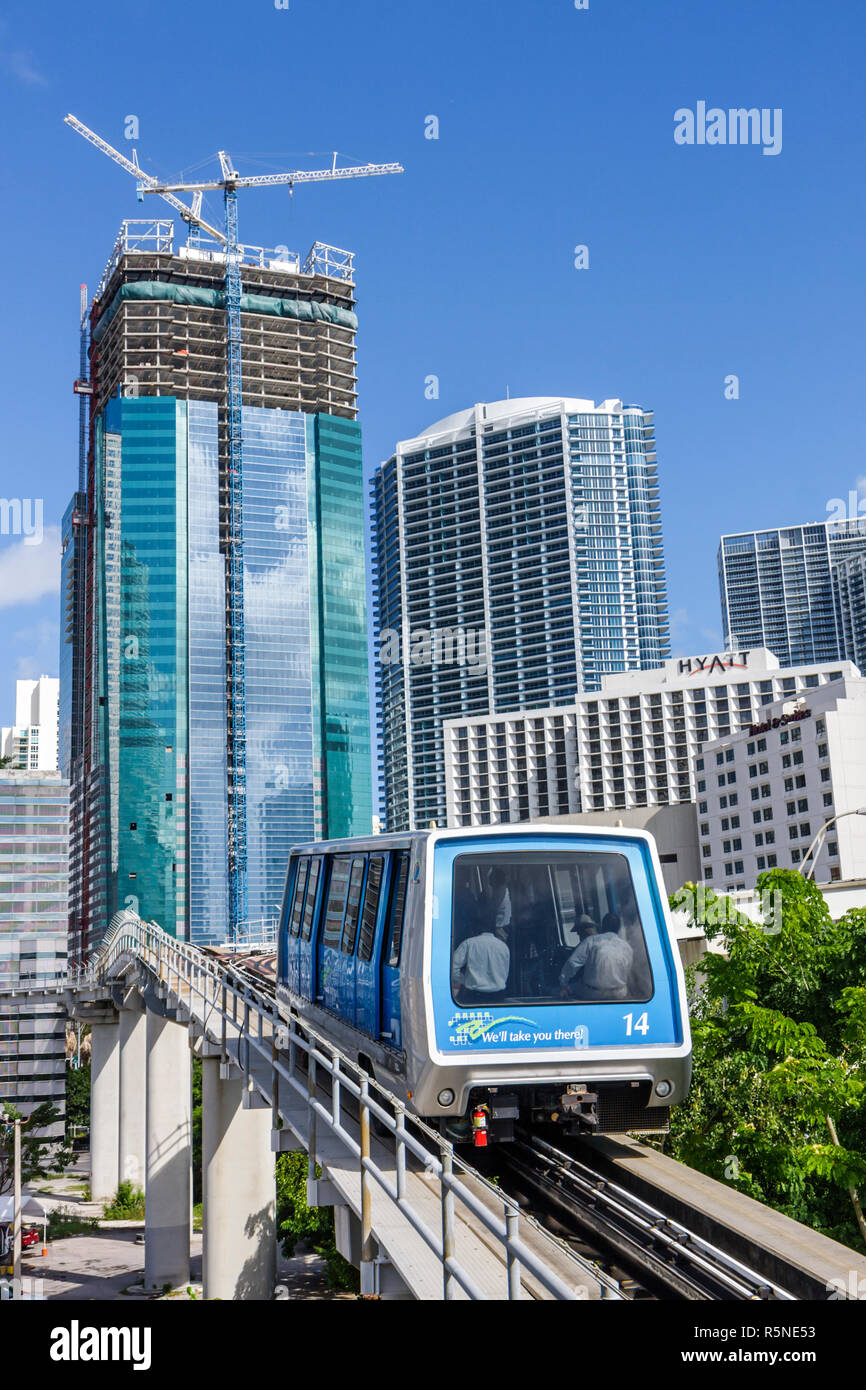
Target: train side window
[(353, 906), (336, 906), (310, 903), (398, 904), (298, 901), (370, 912)]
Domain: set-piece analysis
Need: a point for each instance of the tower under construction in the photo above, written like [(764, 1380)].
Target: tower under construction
[(186, 745)]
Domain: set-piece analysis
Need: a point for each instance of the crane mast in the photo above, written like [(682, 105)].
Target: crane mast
[(229, 184), (236, 709)]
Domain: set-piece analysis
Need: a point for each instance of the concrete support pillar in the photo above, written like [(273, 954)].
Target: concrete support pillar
[(238, 1208), (104, 1110), (133, 1073), (169, 1155)]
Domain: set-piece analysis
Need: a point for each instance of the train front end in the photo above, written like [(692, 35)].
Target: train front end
[(552, 986)]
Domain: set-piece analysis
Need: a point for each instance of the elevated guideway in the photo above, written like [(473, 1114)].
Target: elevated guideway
[(414, 1219), (406, 1213)]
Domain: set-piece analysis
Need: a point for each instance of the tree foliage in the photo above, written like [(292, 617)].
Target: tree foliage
[(40, 1154), (197, 1152), (296, 1221), (779, 1030), (77, 1098)]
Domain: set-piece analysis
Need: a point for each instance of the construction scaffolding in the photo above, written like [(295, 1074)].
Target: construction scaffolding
[(160, 325)]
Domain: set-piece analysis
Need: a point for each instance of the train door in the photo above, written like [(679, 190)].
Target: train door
[(290, 929), (390, 1021), (346, 986), (366, 956), (329, 933), (308, 922)]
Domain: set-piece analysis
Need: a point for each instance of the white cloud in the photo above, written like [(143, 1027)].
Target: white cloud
[(20, 64), (19, 61), (29, 572)]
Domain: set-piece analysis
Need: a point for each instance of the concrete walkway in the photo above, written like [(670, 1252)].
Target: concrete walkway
[(100, 1266), (108, 1265)]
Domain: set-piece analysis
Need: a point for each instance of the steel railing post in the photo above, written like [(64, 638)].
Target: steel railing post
[(368, 1272), (400, 1154), (449, 1286), (311, 1133), (275, 1086), (335, 1087), (512, 1227)]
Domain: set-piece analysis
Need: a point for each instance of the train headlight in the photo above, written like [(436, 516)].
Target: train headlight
[(663, 1089), (446, 1097)]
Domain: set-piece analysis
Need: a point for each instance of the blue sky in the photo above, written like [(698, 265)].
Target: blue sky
[(556, 129)]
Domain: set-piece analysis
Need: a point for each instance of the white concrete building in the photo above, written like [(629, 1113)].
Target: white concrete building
[(764, 793), (632, 743), (31, 742)]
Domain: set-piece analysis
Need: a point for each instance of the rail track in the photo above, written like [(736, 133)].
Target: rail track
[(658, 1256)]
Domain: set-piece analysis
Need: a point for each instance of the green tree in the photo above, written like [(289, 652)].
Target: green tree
[(77, 1098), (779, 1030), (40, 1154), (297, 1221), (196, 1131)]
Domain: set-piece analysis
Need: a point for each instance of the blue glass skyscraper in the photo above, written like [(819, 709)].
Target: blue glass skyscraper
[(155, 757)]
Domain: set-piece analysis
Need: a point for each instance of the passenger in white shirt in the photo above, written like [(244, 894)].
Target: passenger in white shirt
[(480, 965), (604, 961)]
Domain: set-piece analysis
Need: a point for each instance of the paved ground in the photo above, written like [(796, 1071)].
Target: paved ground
[(108, 1263), (100, 1266)]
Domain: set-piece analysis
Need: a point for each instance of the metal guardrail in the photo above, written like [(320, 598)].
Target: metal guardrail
[(259, 932), (231, 1010)]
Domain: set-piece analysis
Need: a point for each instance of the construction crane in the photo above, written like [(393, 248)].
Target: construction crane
[(229, 184)]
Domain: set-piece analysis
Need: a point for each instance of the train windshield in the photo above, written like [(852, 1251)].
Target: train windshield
[(533, 927)]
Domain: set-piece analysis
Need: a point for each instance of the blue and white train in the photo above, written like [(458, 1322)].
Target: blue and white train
[(494, 975)]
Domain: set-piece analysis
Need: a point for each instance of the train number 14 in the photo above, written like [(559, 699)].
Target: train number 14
[(641, 1026)]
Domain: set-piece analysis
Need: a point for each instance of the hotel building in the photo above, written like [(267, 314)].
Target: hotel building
[(764, 794), (631, 744)]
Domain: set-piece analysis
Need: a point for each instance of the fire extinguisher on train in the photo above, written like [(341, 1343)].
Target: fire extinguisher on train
[(479, 1126)]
